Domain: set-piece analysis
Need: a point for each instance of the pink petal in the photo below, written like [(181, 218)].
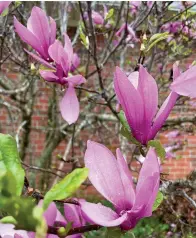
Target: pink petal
[(52, 30), (102, 215), (166, 107), (97, 18), (76, 80), (152, 196), (148, 185), (186, 83), (73, 214), (145, 198), (68, 47), (48, 76), (55, 51), (126, 179), (122, 28), (149, 167), (60, 218), (39, 59), (69, 106), (163, 114), (28, 37), (104, 174), (134, 78), (38, 24), (131, 102), (149, 94), (75, 62), (7, 230), (4, 5), (176, 71), (50, 213)]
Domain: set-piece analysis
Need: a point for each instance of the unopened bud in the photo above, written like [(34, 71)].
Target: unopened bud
[(142, 48), (62, 231), (144, 36)]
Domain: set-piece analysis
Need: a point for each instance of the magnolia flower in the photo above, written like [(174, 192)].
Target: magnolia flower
[(52, 216), (58, 72), (134, 6), (40, 32), (131, 33), (8, 231), (64, 59), (172, 27), (138, 96), (112, 178), (4, 5), (186, 83), (97, 18)]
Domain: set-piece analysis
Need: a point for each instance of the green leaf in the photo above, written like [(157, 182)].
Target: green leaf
[(158, 201), (83, 37), (8, 185), (109, 14), (123, 120), (8, 220), (156, 38), (24, 211), (66, 186), (10, 161), (158, 147)]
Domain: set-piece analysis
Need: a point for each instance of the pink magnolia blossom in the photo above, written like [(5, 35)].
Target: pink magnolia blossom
[(4, 5), (186, 83), (97, 18), (52, 216), (172, 27), (138, 96), (8, 231), (112, 178), (63, 61), (40, 32), (63, 58), (131, 37), (134, 6)]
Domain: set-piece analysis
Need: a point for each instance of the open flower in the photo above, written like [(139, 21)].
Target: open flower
[(138, 96), (172, 27), (64, 58), (40, 32), (4, 5), (52, 216), (112, 178)]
